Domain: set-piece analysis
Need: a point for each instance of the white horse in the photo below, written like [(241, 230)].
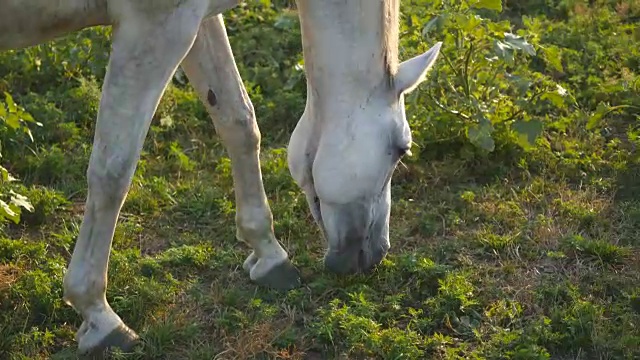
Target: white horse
[(342, 153)]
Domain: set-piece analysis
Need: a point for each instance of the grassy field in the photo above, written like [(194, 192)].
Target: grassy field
[(515, 225)]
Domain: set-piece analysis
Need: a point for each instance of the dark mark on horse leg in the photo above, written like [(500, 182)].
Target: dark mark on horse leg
[(211, 97)]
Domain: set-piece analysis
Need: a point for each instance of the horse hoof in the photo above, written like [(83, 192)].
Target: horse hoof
[(121, 338), (284, 276)]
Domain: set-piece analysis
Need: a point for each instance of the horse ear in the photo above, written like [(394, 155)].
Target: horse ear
[(413, 71)]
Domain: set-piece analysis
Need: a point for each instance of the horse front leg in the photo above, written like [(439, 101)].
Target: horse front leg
[(212, 71), (146, 51)]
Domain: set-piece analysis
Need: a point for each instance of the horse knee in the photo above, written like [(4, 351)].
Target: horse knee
[(82, 288), (238, 128), (109, 180)]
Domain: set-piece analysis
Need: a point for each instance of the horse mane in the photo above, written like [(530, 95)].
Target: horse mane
[(390, 37)]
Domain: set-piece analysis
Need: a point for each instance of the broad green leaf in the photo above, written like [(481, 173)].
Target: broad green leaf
[(523, 84), (480, 135), (467, 22), (555, 98), (553, 57), (435, 24), (4, 173), (7, 212), (488, 4), (6, 176), (431, 25), (13, 121), (3, 111), (26, 117), (21, 201), (504, 51), (10, 103), (528, 131), (412, 20), (519, 43), (594, 119)]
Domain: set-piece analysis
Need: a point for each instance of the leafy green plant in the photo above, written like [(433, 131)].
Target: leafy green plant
[(14, 118), (483, 87)]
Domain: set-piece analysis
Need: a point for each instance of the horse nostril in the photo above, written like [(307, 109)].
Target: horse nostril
[(378, 255)]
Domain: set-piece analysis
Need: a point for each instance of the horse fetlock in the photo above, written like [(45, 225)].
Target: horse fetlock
[(81, 292), (255, 224)]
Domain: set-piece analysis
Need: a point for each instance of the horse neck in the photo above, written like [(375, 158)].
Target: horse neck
[(349, 47)]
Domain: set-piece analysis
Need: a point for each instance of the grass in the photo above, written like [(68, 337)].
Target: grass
[(503, 255)]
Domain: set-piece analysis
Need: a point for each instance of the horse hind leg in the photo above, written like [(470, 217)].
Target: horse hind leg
[(146, 52), (212, 71)]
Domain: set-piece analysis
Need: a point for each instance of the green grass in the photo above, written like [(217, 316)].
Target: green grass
[(519, 253)]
